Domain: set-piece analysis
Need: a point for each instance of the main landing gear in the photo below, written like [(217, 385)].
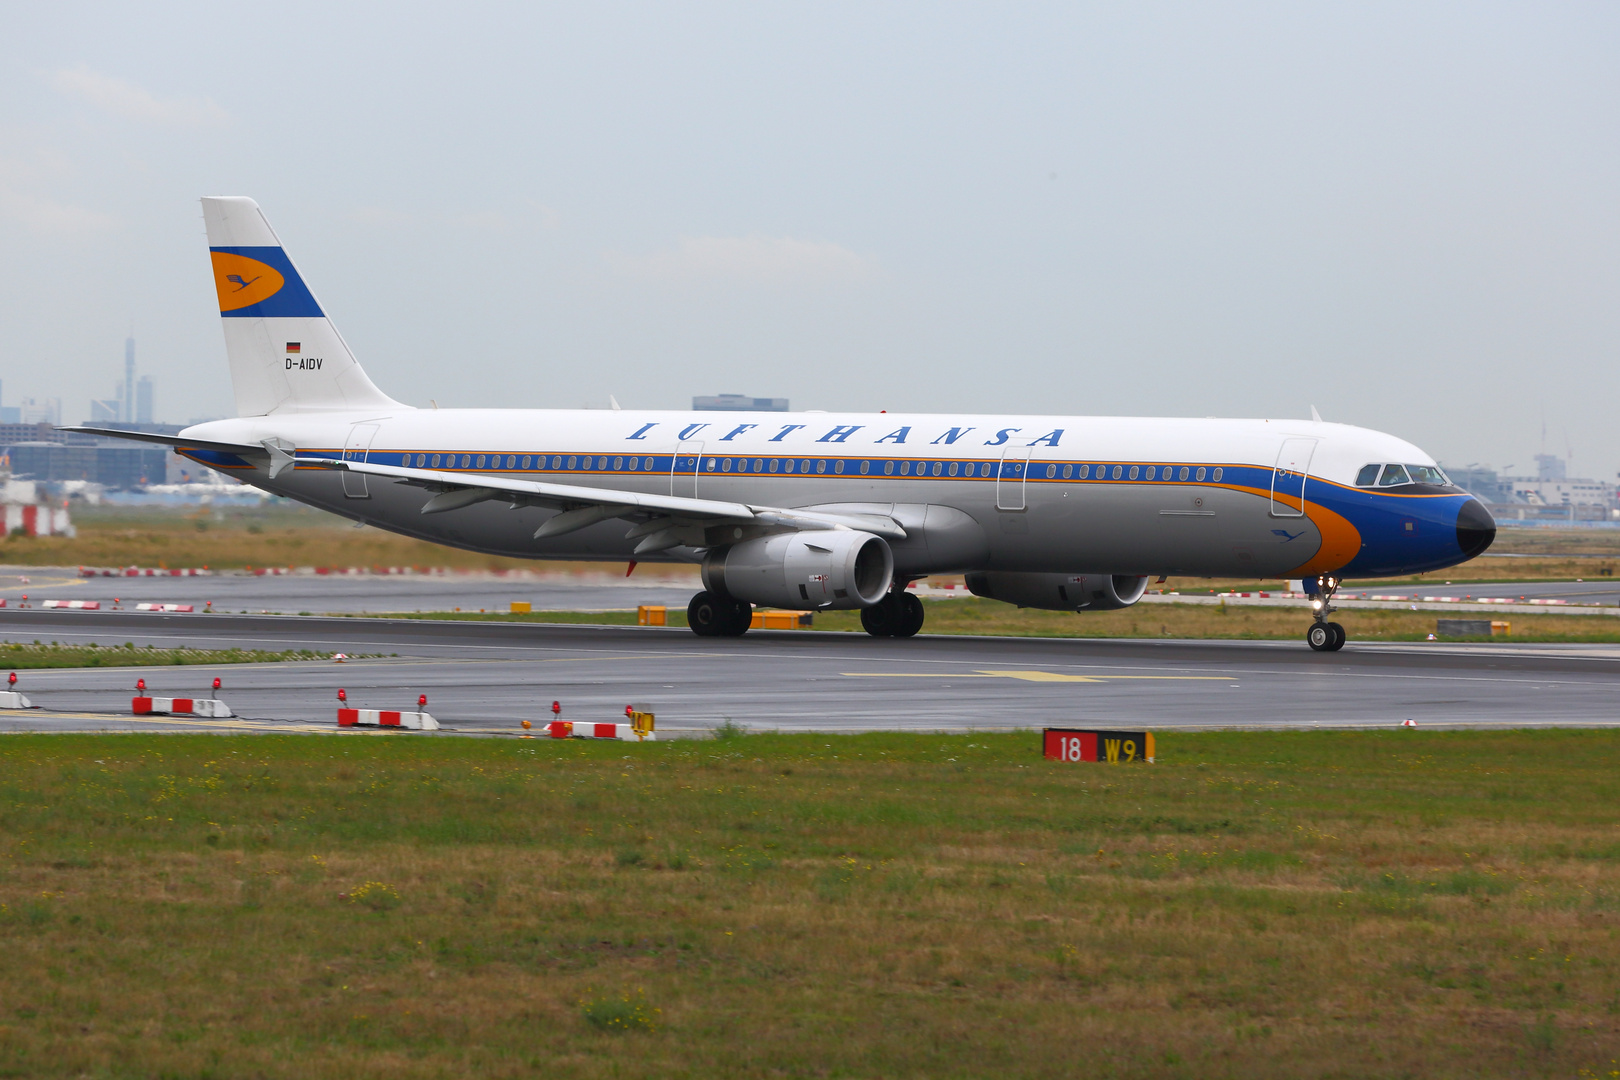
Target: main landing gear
[(898, 614), (715, 616), (1324, 636)]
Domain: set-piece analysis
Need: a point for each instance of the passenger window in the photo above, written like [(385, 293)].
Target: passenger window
[(1068, 471), (1216, 475), (1134, 472), (888, 468), (1151, 471), (1394, 475), (759, 465), (1085, 472), (1118, 472), (838, 466), (821, 467), (1184, 472), (939, 467), (1368, 476)]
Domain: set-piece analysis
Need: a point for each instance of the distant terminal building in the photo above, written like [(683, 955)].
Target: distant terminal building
[(739, 403), (1551, 495), (121, 468)]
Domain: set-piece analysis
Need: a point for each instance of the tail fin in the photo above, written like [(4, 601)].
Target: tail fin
[(285, 354)]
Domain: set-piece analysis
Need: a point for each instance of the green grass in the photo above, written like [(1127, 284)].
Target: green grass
[(37, 654), (1307, 904)]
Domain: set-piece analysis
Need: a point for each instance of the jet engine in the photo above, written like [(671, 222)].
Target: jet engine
[(814, 570), (1060, 592)]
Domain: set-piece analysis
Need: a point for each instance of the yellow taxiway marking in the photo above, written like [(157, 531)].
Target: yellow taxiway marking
[(1026, 676)]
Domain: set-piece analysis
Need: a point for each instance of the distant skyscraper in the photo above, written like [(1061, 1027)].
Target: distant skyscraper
[(143, 400), (128, 390)]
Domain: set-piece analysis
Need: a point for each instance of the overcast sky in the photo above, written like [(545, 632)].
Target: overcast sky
[(1407, 214)]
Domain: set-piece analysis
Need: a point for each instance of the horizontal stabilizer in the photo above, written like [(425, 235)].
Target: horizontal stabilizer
[(176, 441)]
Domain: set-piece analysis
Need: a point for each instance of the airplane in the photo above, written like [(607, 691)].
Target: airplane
[(816, 511)]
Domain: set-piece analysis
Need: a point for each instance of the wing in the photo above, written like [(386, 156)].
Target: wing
[(661, 521)]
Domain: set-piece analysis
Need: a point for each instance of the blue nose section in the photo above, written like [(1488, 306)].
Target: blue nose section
[(1476, 529)]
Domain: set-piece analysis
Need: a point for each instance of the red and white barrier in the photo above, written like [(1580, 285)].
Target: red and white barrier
[(416, 721), (180, 706), (164, 607), (76, 605), (570, 729), (36, 520)]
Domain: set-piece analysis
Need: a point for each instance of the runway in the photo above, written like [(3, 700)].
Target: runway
[(483, 678)]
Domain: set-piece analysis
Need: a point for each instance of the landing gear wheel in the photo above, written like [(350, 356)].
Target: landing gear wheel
[(709, 615), (1324, 636), (739, 617), (881, 619), (911, 618)]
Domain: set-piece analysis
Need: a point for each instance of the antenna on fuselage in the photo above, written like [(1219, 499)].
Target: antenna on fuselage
[(1315, 416)]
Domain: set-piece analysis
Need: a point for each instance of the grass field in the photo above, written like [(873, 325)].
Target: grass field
[(1314, 904), (19, 655)]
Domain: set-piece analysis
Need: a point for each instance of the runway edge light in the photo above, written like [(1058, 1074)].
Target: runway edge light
[(1097, 744)]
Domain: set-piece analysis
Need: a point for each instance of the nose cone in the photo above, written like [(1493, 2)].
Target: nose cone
[(1476, 529)]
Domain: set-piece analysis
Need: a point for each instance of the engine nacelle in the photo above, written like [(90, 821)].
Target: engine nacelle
[(1060, 592), (810, 571)]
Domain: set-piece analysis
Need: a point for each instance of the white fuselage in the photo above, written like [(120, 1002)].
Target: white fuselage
[(1125, 495)]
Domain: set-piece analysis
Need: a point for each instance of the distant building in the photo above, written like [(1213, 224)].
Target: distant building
[(1549, 496), (1549, 467), (118, 467), (143, 400), (739, 403), (106, 410), (41, 411)]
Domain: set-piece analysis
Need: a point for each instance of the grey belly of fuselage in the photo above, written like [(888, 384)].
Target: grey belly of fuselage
[(953, 525)]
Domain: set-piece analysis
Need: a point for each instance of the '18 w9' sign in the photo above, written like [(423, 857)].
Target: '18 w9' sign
[(1112, 747)]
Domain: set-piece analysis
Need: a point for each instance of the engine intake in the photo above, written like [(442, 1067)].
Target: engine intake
[(1060, 592), (809, 571)]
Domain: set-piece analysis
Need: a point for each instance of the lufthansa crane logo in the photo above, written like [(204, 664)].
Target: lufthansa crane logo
[(1286, 535), (242, 282)]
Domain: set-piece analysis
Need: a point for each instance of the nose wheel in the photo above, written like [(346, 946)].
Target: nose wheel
[(1325, 636)]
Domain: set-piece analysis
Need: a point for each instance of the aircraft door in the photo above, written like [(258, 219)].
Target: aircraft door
[(684, 468), (1011, 477), (355, 449), (1288, 477)]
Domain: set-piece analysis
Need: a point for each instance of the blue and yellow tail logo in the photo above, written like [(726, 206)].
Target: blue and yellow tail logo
[(260, 282)]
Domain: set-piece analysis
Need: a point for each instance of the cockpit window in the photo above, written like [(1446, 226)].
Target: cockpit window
[(1393, 474), (1426, 474), (1368, 476)]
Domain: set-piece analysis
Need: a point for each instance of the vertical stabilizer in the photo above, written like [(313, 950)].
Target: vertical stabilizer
[(285, 354)]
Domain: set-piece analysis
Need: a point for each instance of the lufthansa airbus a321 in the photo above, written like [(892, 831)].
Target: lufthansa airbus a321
[(812, 511)]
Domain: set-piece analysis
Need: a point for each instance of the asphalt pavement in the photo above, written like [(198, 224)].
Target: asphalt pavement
[(484, 678)]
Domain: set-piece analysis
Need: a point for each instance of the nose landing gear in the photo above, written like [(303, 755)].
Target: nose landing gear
[(1324, 636)]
